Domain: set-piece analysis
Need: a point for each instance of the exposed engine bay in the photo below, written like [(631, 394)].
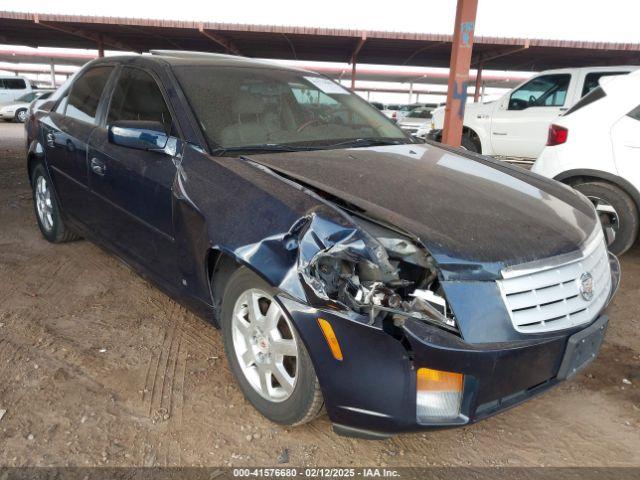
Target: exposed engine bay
[(382, 273)]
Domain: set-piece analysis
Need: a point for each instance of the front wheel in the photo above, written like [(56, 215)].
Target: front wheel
[(265, 353), (617, 211), (47, 209), (21, 115), (467, 143)]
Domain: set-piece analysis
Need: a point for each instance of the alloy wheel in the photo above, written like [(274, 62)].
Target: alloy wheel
[(265, 345), (608, 218), (44, 203)]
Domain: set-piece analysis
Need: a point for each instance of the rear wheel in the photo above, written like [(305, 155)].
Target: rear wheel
[(618, 214), (265, 353), (47, 209)]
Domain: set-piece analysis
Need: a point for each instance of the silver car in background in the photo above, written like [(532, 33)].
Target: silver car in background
[(18, 109)]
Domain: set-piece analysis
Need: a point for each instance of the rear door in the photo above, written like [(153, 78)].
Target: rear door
[(134, 187), (66, 131), (520, 123)]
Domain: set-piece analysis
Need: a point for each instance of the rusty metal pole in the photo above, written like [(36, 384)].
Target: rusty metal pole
[(459, 71), (476, 92)]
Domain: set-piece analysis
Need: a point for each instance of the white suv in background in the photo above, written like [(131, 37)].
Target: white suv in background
[(595, 147), (516, 124), (12, 87)]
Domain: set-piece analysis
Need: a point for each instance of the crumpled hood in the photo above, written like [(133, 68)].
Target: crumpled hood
[(472, 214)]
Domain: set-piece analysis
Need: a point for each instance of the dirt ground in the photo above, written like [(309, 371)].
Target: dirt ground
[(97, 367)]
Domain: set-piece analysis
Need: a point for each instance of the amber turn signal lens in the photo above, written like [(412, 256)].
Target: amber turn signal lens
[(438, 395), (330, 337), (438, 381)]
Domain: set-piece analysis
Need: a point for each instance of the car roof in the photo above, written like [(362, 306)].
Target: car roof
[(614, 68), (187, 58)]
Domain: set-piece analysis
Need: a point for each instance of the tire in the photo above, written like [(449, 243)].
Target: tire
[(49, 219), (468, 144), (21, 115), (305, 400), (625, 210)]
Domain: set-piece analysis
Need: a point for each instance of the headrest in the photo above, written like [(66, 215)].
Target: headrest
[(248, 104)]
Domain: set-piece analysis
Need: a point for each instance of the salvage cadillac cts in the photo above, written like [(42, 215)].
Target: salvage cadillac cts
[(402, 285)]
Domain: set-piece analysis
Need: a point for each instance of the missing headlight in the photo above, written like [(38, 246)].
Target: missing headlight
[(382, 273)]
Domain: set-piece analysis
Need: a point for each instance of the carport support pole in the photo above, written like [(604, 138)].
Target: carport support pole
[(461, 49), (479, 86), (53, 74), (353, 74), (100, 48)]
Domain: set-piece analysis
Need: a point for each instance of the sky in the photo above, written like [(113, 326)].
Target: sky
[(589, 20), (610, 21)]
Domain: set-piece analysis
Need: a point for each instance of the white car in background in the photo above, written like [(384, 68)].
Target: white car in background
[(12, 87), (595, 147), (18, 109), (515, 125), (417, 120), (396, 111)]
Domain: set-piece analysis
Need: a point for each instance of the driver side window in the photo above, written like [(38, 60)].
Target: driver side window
[(542, 91)]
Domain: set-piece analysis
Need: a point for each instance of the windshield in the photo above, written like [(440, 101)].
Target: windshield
[(27, 97), (247, 107)]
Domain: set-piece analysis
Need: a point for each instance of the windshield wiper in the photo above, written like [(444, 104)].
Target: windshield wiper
[(262, 148), (367, 142)]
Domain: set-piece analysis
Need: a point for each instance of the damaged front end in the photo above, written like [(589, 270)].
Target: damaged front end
[(372, 270)]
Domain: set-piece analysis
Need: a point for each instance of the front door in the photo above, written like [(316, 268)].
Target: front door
[(134, 187), (520, 123)]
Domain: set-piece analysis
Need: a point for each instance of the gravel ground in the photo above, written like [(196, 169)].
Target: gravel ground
[(98, 367)]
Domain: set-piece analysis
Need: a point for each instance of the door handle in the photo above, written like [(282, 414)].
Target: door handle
[(98, 167), (51, 139)]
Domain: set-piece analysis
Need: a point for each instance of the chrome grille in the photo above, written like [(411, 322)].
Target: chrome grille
[(546, 295)]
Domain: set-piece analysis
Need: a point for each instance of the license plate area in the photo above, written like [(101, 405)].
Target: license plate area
[(582, 348)]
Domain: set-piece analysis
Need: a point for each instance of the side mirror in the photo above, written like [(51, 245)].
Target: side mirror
[(139, 134)]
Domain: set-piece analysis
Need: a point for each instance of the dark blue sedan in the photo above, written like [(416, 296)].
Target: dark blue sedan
[(400, 285)]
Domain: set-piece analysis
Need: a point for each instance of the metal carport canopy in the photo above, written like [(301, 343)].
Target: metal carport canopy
[(303, 43)]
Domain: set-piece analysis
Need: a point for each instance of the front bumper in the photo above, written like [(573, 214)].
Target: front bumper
[(7, 115), (372, 392)]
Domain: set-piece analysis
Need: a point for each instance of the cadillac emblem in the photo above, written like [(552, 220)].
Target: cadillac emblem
[(586, 286)]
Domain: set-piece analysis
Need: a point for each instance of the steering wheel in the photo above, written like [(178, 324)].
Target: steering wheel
[(532, 100)]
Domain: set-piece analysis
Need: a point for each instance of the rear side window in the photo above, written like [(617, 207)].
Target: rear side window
[(83, 101), (138, 97), (591, 80), (13, 83)]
